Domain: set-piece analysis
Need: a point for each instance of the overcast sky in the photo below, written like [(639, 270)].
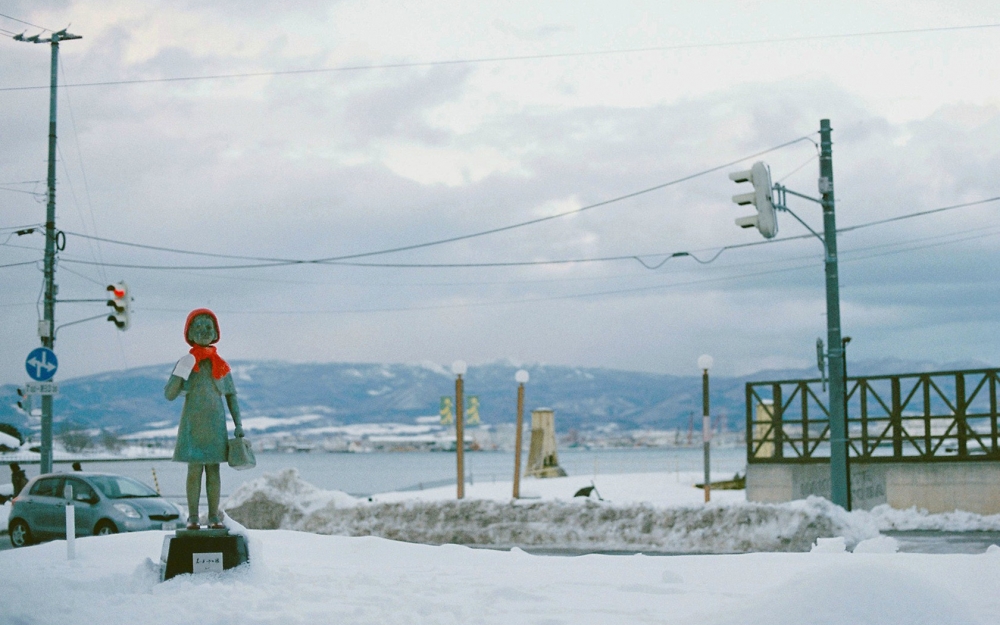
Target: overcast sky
[(400, 150)]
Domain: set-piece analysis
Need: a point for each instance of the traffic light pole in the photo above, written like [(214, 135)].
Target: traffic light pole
[(840, 478), (45, 328), (840, 490)]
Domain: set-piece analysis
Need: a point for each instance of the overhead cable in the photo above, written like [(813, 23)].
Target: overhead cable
[(918, 214), (570, 296), (515, 58), (694, 254), (274, 262), (26, 23)]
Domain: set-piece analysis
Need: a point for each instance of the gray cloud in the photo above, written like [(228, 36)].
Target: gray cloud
[(283, 167)]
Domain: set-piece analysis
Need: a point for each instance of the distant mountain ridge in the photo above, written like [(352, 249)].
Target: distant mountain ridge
[(583, 398)]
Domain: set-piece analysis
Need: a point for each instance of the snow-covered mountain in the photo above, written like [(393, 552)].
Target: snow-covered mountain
[(318, 394)]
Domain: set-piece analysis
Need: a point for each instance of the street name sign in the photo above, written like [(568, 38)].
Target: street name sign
[(41, 388)]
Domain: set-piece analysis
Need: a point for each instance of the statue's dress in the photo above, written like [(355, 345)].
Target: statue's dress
[(202, 437)]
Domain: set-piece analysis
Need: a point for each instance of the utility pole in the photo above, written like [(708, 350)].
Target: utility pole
[(766, 204), (45, 326), (840, 489)]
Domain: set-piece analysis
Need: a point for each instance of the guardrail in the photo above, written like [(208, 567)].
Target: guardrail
[(915, 417)]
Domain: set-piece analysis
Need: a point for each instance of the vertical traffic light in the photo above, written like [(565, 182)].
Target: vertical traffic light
[(120, 302), (765, 220), (23, 401)]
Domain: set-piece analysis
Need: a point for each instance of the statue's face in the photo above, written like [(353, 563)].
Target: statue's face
[(202, 331)]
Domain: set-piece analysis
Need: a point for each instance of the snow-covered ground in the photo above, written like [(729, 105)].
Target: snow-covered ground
[(306, 577), (24, 454), (298, 577)]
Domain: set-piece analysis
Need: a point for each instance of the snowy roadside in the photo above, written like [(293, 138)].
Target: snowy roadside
[(674, 521), (301, 577), (652, 512)]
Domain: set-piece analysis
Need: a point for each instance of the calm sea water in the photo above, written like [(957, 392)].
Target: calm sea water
[(368, 473)]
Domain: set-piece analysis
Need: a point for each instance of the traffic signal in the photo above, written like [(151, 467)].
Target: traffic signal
[(765, 220), (120, 303), (23, 401)]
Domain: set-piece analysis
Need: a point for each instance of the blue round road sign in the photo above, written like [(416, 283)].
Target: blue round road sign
[(41, 364)]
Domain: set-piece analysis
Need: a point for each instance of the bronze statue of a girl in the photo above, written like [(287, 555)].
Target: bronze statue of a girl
[(203, 377)]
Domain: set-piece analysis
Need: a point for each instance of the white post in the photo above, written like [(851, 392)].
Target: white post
[(70, 532), (705, 363)]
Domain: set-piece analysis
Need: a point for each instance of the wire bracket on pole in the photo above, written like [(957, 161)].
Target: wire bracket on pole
[(781, 204), (73, 323)]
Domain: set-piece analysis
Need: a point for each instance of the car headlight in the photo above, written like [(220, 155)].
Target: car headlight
[(127, 510)]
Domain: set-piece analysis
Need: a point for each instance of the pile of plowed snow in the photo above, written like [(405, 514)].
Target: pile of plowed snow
[(284, 501), (912, 519)]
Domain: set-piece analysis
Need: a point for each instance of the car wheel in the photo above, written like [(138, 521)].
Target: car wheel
[(20, 533), (105, 528)]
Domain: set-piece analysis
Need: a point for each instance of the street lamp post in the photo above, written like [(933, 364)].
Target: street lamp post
[(521, 377), (458, 368), (705, 363)]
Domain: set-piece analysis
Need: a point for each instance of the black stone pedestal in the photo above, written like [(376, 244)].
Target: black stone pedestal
[(202, 551)]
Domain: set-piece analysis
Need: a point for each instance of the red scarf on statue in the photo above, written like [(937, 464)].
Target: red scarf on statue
[(219, 366)]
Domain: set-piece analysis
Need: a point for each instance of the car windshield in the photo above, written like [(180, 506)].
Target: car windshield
[(118, 487)]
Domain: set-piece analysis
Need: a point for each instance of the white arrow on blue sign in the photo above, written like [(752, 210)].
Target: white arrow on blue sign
[(41, 364)]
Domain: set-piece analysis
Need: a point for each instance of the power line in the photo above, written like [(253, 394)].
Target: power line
[(531, 300), (26, 23), (482, 304), (515, 58), (78, 274), (574, 211), (665, 255), (668, 255), (618, 277), (918, 214), (21, 191), (25, 227), (276, 262), (27, 262)]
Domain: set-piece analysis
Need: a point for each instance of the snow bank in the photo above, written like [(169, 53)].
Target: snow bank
[(717, 528), (285, 501), (889, 519), (8, 441), (282, 499)]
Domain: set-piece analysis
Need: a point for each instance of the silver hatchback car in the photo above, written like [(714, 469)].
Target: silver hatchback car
[(103, 504)]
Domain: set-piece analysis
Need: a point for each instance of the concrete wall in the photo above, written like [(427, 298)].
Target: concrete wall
[(932, 486)]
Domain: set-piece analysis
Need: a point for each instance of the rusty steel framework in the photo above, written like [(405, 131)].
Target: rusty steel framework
[(916, 417)]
